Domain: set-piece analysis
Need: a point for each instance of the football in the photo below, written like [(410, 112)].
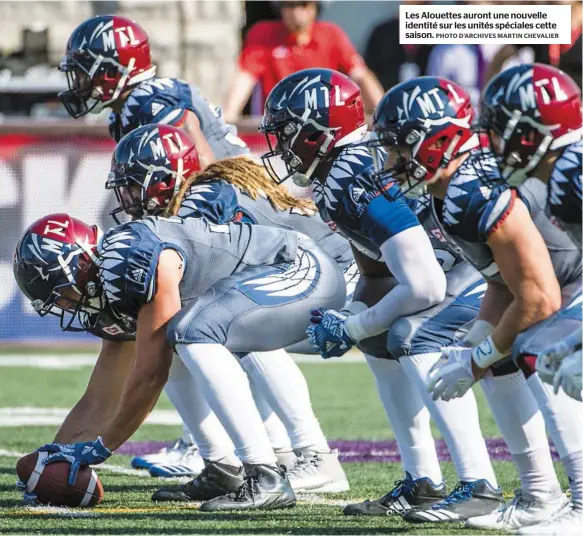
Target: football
[(49, 482)]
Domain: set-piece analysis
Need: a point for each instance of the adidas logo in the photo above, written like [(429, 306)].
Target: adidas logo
[(357, 194)]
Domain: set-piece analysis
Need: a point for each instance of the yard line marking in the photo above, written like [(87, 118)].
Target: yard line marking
[(78, 361), (33, 416)]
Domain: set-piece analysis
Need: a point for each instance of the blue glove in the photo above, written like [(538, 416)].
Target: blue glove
[(327, 333), (77, 454)]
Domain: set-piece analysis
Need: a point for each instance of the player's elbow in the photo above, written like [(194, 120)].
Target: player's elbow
[(431, 290), (543, 302)]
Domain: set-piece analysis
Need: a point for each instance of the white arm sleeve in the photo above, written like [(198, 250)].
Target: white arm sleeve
[(421, 284)]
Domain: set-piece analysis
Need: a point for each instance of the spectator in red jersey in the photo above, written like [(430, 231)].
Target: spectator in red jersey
[(275, 49)]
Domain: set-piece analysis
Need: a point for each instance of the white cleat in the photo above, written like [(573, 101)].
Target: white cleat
[(286, 458), (167, 455), (570, 522), (190, 464), (521, 512), (318, 472)]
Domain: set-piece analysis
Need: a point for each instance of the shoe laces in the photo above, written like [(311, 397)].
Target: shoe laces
[(249, 488), (461, 493), (305, 464), (509, 509), (402, 487)]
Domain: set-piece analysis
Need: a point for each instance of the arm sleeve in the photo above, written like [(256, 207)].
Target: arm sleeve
[(253, 57), (421, 283), (346, 56)]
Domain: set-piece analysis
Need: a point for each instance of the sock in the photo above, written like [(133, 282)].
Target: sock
[(212, 439), (572, 465), (226, 389), (458, 422), (562, 415), (273, 426), (408, 418), (186, 435), (284, 387), (522, 426)]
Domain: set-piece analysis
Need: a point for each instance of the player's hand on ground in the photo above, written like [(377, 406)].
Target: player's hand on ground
[(326, 333), (452, 376), (77, 454)]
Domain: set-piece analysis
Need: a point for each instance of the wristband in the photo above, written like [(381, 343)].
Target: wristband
[(486, 354), (354, 329), (478, 332)]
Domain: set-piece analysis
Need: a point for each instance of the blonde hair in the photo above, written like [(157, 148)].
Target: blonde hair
[(247, 175)]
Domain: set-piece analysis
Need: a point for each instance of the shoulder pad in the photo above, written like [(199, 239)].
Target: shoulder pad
[(216, 201)]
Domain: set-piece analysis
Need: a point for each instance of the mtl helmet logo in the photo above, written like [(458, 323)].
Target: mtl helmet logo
[(525, 86), (107, 32), (429, 102), (174, 143), (311, 97)]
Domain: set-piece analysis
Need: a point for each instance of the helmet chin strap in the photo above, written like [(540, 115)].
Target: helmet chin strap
[(306, 178)]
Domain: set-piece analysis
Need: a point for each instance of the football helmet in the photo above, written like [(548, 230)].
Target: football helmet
[(307, 115), (105, 56), (424, 123), (54, 266), (147, 169), (532, 109)]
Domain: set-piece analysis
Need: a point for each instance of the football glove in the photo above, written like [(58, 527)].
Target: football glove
[(77, 454), (327, 333), (451, 376), (569, 376)]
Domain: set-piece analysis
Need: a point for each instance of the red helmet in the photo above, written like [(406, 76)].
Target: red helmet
[(534, 109), (105, 56), (431, 117), (307, 115), (54, 266), (148, 166)]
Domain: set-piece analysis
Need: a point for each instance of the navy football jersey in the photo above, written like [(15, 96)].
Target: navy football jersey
[(564, 191), (128, 256), (166, 101), (222, 202), (350, 198), (477, 201)]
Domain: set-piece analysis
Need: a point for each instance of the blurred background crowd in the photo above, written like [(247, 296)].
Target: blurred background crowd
[(235, 51)]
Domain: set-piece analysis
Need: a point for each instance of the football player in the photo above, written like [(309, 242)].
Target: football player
[(147, 182), (533, 114), (204, 289), (405, 308), (108, 66), (505, 234)]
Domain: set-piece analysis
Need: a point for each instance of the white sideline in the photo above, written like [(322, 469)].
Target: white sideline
[(31, 416), (76, 361)]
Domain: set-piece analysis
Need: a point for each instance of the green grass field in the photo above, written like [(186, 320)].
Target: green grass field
[(345, 402)]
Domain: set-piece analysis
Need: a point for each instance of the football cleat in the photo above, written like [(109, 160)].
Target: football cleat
[(521, 512), (265, 488), (167, 455), (406, 495), (215, 480), (286, 458), (190, 464), (318, 472), (569, 522), (468, 499)]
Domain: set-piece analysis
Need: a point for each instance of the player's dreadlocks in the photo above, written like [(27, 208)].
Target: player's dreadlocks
[(250, 177)]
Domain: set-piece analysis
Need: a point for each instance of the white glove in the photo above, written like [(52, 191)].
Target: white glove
[(569, 376), (452, 376)]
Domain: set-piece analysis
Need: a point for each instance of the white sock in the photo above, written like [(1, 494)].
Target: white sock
[(458, 422), (226, 389), (283, 385), (522, 426), (572, 465), (186, 435), (273, 426), (408, 417), (562, 415), (213, 441)]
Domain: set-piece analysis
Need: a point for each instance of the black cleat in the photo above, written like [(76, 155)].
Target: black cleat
[(406, 495), (468, 499), (265, 488), (215, 480)]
